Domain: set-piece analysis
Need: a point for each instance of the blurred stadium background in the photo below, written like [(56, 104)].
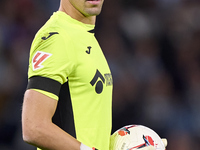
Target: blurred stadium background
[(153, 48)]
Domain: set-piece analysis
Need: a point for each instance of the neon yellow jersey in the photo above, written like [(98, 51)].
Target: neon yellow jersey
[(67, 63)]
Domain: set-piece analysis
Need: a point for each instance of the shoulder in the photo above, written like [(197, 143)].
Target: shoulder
[(56, 28), (50, 37)]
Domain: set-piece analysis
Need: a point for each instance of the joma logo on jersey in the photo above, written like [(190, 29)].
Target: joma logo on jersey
[(99, 80), (38, 59)]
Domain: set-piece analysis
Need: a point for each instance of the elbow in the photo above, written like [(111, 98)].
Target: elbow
[(27, 138), (31, 134), (28, 134), (35, 132)]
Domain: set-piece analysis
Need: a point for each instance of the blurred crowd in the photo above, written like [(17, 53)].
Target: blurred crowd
[(152, 47)]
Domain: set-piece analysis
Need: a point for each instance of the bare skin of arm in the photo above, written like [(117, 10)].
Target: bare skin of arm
[(38, 129)]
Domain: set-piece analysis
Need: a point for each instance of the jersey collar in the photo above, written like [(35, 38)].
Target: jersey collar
[(88, 27)]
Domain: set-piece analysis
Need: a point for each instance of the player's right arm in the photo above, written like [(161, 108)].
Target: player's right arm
[(39, 107), (37, 125)]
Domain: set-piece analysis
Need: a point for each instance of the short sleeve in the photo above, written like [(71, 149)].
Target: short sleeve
[(51, 56)]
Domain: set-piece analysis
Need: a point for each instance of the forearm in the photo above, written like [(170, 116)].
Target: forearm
[(50, 137)]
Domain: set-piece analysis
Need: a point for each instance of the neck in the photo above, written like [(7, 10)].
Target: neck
[(67, 8)]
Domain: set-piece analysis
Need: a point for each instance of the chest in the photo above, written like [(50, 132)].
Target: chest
[(92, 70)]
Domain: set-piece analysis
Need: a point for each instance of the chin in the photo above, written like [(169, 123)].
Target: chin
[(93, 12)]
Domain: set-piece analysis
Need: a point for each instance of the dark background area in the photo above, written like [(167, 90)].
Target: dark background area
[(152, 47)]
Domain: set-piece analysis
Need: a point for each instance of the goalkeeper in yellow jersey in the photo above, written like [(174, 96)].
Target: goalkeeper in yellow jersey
[(67, 104), (68, 101)]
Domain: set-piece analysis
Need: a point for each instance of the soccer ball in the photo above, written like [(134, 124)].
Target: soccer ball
[(134, 137)]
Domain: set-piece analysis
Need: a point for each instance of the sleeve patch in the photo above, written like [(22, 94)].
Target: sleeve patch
[(38, 59)]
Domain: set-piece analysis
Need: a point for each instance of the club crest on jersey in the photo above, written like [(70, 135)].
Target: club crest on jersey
[(38, 59), (99, 79)]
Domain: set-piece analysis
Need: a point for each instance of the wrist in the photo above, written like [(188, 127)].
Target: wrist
[(85, 147)]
